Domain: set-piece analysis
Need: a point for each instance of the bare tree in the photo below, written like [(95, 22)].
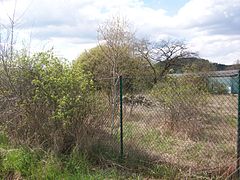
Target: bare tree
[(166, 51), (8, 66), (7, 41), (144, 50), (115, 40)]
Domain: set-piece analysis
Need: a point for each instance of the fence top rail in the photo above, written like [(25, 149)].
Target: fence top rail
[(228, 73)]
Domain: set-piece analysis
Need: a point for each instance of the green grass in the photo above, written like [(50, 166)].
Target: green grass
[(52, 167), (38, 165), (75, 166), (41, 165), (18, 160)]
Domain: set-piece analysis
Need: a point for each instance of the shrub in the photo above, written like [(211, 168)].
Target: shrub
[(52, 104), (183, 99)]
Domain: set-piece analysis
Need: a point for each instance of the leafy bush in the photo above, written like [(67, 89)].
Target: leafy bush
[(52, 104)]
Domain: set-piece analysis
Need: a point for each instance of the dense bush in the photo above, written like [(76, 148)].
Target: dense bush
[(48, 103)]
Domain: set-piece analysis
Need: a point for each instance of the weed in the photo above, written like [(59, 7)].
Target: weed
[(19, 160), (77, 162)]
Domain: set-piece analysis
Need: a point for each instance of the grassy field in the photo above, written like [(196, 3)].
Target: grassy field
[(204, 144)]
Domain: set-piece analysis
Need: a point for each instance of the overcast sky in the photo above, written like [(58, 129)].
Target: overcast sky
[(210, 27)]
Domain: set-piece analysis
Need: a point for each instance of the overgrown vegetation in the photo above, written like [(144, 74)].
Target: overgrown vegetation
[(23, 163), (59, 120), (183, 99), (54, 117), (52, 102)]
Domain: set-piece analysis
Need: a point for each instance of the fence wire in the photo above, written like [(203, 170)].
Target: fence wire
[(107, 93), (188, 121)]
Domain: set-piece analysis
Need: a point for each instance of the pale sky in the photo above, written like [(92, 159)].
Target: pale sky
[(210, 27)]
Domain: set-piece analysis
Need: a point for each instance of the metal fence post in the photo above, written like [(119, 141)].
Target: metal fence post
[(238, 129), (121, 116)]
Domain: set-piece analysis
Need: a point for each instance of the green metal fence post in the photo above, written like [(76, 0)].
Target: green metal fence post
[(238, 130), (121, 116)]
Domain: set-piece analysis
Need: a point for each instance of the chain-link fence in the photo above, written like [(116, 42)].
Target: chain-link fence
[(188, 121), (107, 137)]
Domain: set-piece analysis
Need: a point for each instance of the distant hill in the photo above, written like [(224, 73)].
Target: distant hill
[(220, 67), (198, 65)]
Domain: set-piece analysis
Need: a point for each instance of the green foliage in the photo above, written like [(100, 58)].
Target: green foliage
[(191, 65), (216, 87), (95, 62), (19, 160), (34, 165), (137, 85), (58, 86), (77, 162), (100, 66), (180, 91), (48, 167), (54, 101)]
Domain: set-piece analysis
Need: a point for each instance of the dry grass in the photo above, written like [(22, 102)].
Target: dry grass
[(210, 145)]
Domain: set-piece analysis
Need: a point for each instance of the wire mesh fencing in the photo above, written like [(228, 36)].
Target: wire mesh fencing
[(188, 121), (107, 137)]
